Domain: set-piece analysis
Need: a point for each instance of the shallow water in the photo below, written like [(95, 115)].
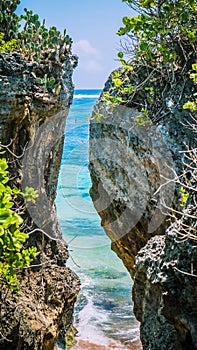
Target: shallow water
[(103, 314)]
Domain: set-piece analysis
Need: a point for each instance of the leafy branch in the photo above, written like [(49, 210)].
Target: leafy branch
[(13, 254), (158, 48), (192, 105)]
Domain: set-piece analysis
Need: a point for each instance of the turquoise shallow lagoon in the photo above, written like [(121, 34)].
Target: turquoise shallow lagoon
[(103, 313)]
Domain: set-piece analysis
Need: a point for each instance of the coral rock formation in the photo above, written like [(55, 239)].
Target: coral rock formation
[(32, 127), (132, 164)]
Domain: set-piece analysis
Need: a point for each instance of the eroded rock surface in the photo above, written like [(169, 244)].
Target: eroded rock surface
[(165, 296), (32, 122), (132, 164), (41, 312)]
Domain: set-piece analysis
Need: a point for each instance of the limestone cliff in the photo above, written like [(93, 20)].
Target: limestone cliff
[(133, 161), (32, 122)]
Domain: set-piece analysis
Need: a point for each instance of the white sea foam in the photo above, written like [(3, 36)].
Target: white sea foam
[(80, 96), (89, 317)]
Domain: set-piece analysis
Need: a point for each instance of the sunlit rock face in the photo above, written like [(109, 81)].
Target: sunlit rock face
[(32, 122), (133, 162)]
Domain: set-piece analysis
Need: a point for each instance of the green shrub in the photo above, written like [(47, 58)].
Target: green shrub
[(163, 30), (34, 39), (9, 20), (192, 105), (160, 47), (13, 255), (8, 46)]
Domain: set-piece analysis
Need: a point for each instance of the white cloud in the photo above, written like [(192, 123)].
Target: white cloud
[(89, 57), (83, 46)]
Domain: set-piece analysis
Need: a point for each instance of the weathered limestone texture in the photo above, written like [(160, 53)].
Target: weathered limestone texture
[(32, 122), (132, 164), (165, 298)]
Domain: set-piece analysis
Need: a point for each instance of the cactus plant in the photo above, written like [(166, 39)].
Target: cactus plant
[(35, 39), (9, 20)]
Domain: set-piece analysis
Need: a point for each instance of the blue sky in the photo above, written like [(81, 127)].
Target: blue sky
[(92, 26)]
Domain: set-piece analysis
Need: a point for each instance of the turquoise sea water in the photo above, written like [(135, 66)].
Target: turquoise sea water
[(103, 312)]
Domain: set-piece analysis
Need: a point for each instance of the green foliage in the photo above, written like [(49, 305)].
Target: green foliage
[(46, 82), (161, 44), (96, 116), (34, 39), (127, 66), (151, 93), (8, 46), (143, 118), (121, 86), (49, 84), (161, 29), (30, 194), (111, 99), (192, 105), (184, 196), (9, 20), (13, 255)]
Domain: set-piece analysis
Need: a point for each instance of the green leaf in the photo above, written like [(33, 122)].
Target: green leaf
[(12, 253), (143, 46), (120, 54)]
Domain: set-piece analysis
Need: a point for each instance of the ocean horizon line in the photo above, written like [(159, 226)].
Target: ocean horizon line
[(87, 93), (88, 89)]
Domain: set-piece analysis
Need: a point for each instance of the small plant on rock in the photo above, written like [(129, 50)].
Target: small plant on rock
[(8, 46)]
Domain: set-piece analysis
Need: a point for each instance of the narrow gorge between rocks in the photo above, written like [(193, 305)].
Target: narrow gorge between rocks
[(98, 207), (103, 314)]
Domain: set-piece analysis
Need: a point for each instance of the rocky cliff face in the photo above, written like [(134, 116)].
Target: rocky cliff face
[(133, 162), (165, 293), (32, 121)]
